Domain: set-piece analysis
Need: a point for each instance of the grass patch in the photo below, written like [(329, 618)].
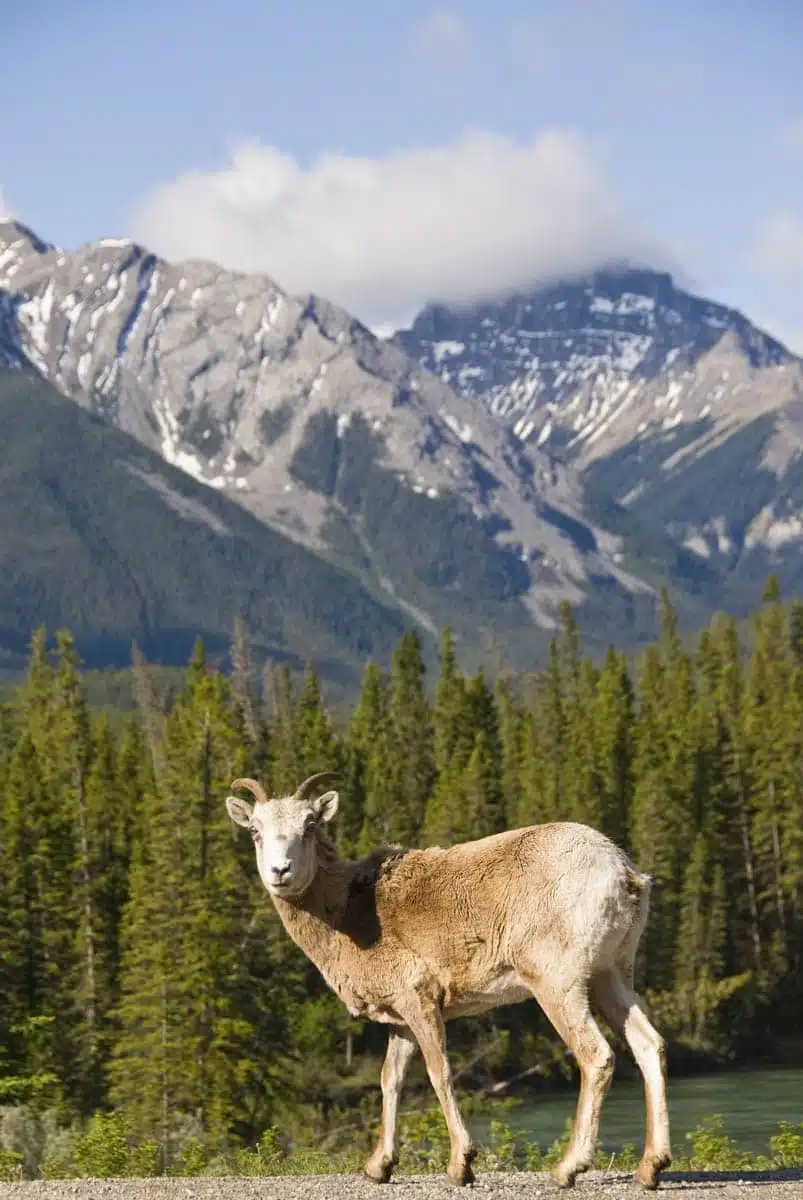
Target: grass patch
[(105, 1147)]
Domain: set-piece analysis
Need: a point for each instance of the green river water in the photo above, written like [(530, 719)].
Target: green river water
[(752, 1103)]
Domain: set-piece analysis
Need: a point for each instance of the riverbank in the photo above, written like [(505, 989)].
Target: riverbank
[(776, 1185), (752, 1103)]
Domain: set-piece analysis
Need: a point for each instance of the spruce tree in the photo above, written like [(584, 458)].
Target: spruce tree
[(664, 797), (484, 764), (738, 850), (449, 709), (511, 735), (410, 767), (362, 813), (544, 746), (612, 732), (284, 765), (480, 789), (23, 873), (241, 681), (771, 741), (108, 824), (582, 787), (317, 746), (182, 1042)]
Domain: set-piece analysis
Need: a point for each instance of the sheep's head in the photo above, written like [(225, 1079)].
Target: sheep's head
[(284, 830)]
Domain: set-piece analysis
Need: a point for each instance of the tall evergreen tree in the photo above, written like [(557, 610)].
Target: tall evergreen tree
[(511, 738), (318, 748), (449, 711), (284, 765), (544, 746), (361, 819), (410, 767), (23, 874), (182, 1044), (612, 732), (769, 697), (664, 797)]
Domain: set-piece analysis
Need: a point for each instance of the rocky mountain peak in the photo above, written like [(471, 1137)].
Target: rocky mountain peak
[(581, 366), (337, 438), (18, 242), (678, 408)]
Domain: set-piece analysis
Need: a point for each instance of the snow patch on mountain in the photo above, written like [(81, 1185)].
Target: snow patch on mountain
[(586, 368), (232, 380), (185, 506)]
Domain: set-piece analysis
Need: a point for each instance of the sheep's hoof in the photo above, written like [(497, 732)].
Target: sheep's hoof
[(460, 1172), (649, 1170), (564, 1176), (379, 1170)]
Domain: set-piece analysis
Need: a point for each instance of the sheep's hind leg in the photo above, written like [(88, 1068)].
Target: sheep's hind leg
[(401, 1048), (569, 1012), (620, 1005)]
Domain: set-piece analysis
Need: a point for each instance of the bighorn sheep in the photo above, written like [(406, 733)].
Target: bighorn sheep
[(412, 938)]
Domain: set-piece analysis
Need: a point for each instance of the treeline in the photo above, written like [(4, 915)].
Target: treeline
[(142, 967)]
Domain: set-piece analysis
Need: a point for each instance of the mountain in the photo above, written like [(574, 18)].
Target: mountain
[(99, 534), (677, 408), (337, 439)]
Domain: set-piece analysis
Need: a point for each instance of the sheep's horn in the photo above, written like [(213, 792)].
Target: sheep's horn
[(251, 785), (315, 781)]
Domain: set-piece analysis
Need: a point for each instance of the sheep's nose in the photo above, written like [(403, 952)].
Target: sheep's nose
[(280, 872)]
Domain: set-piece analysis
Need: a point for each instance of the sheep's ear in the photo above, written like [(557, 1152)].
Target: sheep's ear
[(239, 810), (325, 806)]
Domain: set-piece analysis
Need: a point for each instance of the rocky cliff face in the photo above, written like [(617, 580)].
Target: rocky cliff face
[(100, 535), (678, 408), (348, 444)]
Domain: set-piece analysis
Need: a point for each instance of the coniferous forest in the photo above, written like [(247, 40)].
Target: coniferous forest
[(143, 969)]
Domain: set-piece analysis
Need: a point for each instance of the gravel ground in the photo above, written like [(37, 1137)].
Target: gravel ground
[(775, 1185)]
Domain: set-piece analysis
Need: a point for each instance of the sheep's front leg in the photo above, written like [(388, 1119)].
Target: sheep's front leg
[(425, 1019), (401, 1048)]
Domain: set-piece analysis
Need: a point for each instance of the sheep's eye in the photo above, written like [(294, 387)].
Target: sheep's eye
[(309, 825), (255, 834)]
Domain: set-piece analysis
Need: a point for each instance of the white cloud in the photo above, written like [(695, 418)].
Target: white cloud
[(382, 236), (443, 34), (778, 249)]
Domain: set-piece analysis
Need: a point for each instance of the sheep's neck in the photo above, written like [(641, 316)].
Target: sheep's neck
[(313, 919)]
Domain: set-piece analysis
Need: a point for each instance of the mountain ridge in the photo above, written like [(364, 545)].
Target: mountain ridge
[(326, 433), (650, 393), (619, 325), (99, 534)]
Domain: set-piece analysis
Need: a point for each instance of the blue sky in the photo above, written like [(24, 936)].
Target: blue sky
[(386, 152)]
